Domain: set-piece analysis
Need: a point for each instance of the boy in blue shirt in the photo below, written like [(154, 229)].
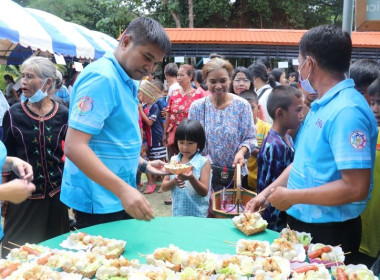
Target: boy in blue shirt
[(103, 141), (277, 152)]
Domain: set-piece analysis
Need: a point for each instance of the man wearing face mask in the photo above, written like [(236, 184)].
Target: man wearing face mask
[(327, 186)]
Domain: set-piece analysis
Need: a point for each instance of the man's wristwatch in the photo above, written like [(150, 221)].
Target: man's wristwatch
[(143, 166)]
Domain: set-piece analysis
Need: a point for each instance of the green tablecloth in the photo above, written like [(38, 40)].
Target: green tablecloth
[(188, 233)]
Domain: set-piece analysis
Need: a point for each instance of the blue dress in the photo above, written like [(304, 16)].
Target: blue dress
[(186, 201)]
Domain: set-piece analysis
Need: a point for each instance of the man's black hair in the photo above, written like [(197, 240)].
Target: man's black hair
[(145, 30), (329, 45)]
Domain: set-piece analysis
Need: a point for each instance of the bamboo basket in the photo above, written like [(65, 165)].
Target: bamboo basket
[(236, 197)]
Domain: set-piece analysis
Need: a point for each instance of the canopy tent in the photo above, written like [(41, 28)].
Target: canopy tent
[(35, 30)]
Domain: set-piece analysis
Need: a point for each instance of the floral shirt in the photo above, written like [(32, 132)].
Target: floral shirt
[(226, 130), (179, 105)]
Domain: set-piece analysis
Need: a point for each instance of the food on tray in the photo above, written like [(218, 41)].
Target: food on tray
[(250, 223), (230, 277), (116, 268), (33, 271), (273, 267), (240, 265), (190, 273), (205, 262), (79, 241), (8, 267), (27, 252), (311, 272), (253, 248), (176, 167), (166, 257), (352, 272), (326, 254), (110, 248), (284, 248), (296, 237), (84, 263)]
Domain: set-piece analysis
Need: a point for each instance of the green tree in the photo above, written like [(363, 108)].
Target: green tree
[(108, 16)]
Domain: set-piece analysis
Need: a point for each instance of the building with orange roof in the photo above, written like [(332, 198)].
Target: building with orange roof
[(254, 43)]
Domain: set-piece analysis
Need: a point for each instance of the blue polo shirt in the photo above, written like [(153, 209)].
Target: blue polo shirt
[(339, 133), (104, 104)]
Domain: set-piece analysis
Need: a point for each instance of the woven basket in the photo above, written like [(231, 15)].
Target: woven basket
[(236, 196)]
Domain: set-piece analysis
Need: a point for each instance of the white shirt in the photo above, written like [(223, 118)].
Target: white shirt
[(264, 100)]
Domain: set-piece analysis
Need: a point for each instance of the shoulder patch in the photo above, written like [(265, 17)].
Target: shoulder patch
[(358, 140), (85, 105)]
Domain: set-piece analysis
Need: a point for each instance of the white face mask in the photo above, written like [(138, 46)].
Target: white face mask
[(39, 95), (305, 84)]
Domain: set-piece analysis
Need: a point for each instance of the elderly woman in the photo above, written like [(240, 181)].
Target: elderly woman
[(34, 130), (241, 80), (227, 120), (179, 104)]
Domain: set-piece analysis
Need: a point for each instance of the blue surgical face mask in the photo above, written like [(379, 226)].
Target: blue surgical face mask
[(305, 84), (39, 95)]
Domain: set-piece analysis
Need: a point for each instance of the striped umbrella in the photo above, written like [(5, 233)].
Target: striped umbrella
[(38, 30)]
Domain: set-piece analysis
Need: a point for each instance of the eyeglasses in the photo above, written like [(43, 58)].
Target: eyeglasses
[(238, 81)]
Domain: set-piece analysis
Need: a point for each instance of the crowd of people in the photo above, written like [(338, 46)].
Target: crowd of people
[(306, 143)]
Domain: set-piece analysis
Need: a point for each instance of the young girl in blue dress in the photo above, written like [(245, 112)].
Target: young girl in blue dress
[(190, 191)]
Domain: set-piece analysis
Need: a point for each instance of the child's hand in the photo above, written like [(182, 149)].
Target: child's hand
[(186, 176), (179, 182), (141, 107)]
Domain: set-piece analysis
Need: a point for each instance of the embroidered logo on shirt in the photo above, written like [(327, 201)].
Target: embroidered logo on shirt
[(320, 123), (358, 140), (85, 105)]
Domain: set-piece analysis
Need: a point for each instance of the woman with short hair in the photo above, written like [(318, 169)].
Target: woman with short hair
[(227, 120)]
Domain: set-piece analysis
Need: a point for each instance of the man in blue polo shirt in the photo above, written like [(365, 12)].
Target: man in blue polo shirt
[(103, 139), (327, 187)]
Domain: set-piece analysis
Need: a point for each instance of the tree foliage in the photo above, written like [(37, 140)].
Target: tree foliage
[(112, 16), (108, 16)]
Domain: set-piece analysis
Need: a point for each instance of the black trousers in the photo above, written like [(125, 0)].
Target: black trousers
[(34, 221), (86, 219), (347, 234)]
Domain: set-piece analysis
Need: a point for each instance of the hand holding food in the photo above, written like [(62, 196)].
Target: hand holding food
[(176, 167)]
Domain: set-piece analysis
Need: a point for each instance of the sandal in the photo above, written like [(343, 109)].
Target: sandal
[(150, 189), (168, 201)]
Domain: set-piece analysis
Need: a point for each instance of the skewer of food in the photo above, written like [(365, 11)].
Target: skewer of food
[(296, 237), (166, 257), (284, 248), (253, 248), (240, 265), (325, 254), (352, 272), (116, 268), (274, 267), (311, 272)]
